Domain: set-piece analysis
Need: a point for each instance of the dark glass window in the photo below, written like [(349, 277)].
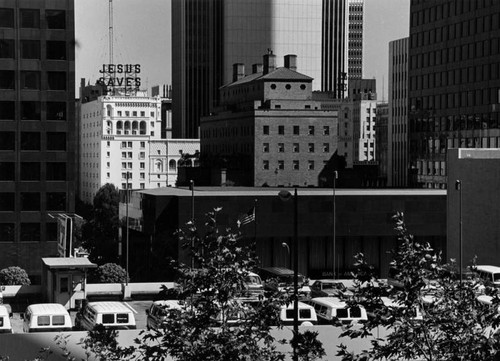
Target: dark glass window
[(56, 201), (56, 141), (6, 48), (56, 50), (7, 171), (30, 201), (51, 231), (55, 171), (7, 140), (30, 141), (7, 203), (56, 19), (7, 232), (30, 171), (30, 111), (7, 79), (7, 110), (56, 111), (30, 49), (30, 80), (265, 129), (30, 232), (29, 18), (281, 129), (56, 80), (6, 18)]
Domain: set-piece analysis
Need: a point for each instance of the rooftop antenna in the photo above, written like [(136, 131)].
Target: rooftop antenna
[(110, 31)]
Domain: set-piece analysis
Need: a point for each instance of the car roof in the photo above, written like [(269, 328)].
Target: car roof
[(109, 306), (279, 271), (300, 304), (168, 303), (329, 301), (488, 268), (47, 308)]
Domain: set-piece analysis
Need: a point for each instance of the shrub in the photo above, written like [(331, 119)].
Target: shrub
[(109, 273), (14, 276)]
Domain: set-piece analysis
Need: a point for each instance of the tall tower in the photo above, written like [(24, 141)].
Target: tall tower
[(37, 127), (355, 40)]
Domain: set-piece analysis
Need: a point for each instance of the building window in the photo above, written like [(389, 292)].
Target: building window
[(281, 147), (108, 164), (143, 145), (7, 232), (56, 201), (124, 155), (30, 171), (30, 49), (281, 164), (56, 141), (265, 148), (123, 145), (296, 130), (142, 155), (108, 154), (30, 232), (30, 141), (127, 113), (29, 18), (310, 147), (142, 175), (143, 114), (7, 110), (56, 111), (56, 50), (295, 165), (296, 147), (311, 130), (30, 110), (7, 80), (56, 171), (142, 165), (6, 18), (326, 130), (56, 19), (265, 164), (124, 165), (6, 48), (7, 171), (265, 130), (7, 203), (310, 165), (119, 113), (281, 129), (30, 201), (326, 148), (56, 80), (142, 185)]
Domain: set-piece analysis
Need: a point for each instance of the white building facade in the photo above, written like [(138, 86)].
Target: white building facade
[(121, 144)]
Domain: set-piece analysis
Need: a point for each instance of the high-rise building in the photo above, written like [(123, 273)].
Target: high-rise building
[(397, 159), (355, 40), (37, 127), (209, 36), (453, 83)]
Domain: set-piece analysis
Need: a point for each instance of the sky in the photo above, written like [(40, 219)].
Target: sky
[(142, 35)]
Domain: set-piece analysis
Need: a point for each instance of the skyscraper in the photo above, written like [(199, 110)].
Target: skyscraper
[(453, 83), (355, 40), (37, 127), (208, 37)]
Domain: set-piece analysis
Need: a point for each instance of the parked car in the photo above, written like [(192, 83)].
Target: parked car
[(5, 325), (307, 314), (111, 314), (330, 310), (329, 288), (281, 279), (158, 312), (46, 317), (490, 274)]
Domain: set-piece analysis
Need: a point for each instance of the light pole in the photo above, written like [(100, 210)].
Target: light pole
[(191, 185), (458, 187), (285, 245), (285, 195), (126, 226), (335, 175)]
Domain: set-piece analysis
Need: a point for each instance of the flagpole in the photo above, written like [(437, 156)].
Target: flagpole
[(255, 221)]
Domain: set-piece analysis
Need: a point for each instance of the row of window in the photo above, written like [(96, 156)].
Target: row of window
[(31, 80), (446, 10), (295, 147), (31, 49), (129, 155), (55, 141), (32, 110), (134, 113), (32, 171), (29, 232), (128, 145), (429, 146), (280, 165), (31, 201), (296, 130), (33, 19)]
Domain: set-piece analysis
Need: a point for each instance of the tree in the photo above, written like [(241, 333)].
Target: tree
[(101, 232), (14, 275), (213, 324), (109, 273), (454, 325)]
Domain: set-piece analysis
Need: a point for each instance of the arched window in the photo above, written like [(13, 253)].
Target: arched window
[(119, 127), (109, 127), (127, 127), (172, 165), (135, 127), (143, 128)]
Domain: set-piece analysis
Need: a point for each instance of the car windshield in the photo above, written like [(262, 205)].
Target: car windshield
[(334, 286), (253, 280), (496, 277)]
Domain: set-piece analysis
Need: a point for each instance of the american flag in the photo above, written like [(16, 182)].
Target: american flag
[(247, 217)]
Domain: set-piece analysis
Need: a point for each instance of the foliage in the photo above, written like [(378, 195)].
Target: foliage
[(109, 273), (454, 325), (101, 344), (14, 275), (309, 348), (101, 232)]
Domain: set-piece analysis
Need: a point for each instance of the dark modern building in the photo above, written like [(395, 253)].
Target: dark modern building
[(362, 223), (355, 40), (271, 130), (453, 83), (37, 127)]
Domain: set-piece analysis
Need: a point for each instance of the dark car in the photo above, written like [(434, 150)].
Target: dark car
[(329, 288), (281, 279)]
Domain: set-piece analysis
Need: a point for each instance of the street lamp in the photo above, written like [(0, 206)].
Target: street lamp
[(335, 176), (458, 187), (285, 245), (191, 186), (285, 196), (126, 226)]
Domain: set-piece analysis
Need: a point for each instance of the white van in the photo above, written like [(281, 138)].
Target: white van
[(157, 312), (329, 309), (46, 317), (491, 274), (307, 314), (5, 325), (110, 314)]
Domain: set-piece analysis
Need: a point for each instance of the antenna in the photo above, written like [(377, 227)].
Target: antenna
[(110, 31), (383, 91)]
